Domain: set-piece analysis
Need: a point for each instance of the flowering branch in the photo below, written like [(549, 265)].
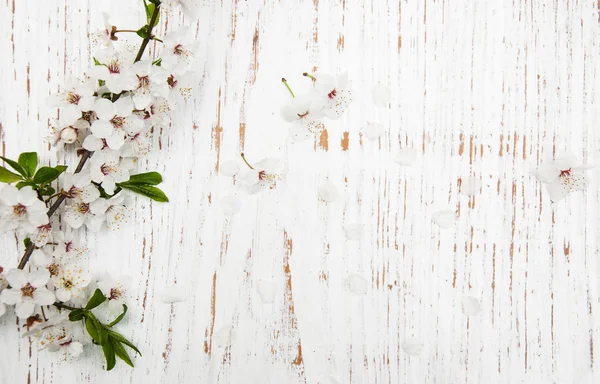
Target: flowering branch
[(149, 27)]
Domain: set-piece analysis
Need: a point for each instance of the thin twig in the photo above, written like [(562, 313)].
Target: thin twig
[(149, 35)]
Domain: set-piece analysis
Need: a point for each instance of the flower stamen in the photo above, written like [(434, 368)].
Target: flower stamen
[(27, 290)]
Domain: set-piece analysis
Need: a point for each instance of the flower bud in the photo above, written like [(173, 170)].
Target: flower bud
[(68, 135)]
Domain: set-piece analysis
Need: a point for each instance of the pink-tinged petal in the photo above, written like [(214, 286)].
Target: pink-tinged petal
[(9, 195), (105, 110), (124, 106), (10, 296), (557, 190), (63, 295), (102, 129), (25, 309), (70, 114), (43, 296), (92, 143), (115, 141), (17, 278), (39, 277), (27, 196)]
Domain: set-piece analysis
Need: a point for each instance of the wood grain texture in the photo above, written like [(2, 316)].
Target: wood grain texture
[(485, 88)]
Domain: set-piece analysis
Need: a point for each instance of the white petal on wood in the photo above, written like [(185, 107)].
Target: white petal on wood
[(470, 186), (381, 95), (406, 157), (357, 284), (353, 231), (174, 294), (266, 290), (470, 306), (374, 130), (444, 218), (412, 346), (328, 192)]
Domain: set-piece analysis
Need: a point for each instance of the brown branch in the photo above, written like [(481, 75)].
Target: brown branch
[(149, 35)]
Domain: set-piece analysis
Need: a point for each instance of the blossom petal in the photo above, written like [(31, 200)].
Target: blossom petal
[(471, 306), (70, 114), (102, 129), (39, 277), (9, 195), (406, 157), (25, 309), (75, 349), (328, 192), (42, 296), (557, 190), (87, 103), (357, 284), (27, 196), (17, 278), (10, 296), (381, 95), (353, 231), (470, 186), (93, 143), (105, 109), (230, 205), (63, 295), (444, 218), (124, 106), (73, 217), (374, 130), (266, 290), (115, 141), (412, 346), (40, 258)]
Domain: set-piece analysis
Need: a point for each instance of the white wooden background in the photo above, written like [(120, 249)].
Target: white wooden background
[(488, 88)]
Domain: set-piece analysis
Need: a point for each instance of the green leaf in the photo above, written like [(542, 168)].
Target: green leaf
[(76, 315), (109, 355), (7, 176), (146, 190), (46, 175), (61, 168), (47, 191), (96, 299), (143, 32), (149, 178), (22, 184), (29, 162), (119, 318), (121, 352), (16, 166), (157, 62), (118, 337), (157, 2), (91, 329)]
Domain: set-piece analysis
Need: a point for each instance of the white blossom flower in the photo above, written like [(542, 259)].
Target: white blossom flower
[(67, 247), (111, 211), (353, 231), (157, 112), (3, 285), (374, 130), (263, 175), (406, 157), (136, 144), (27, 290), (116, 71), (52, 263), (76, 98), (304, 114), (179, 51), (56, 335), (20, 208), (381, 95), (105, 36), (70, 283), (63, 134), (444, 218), (115, 121), (176, 293), (115, 291), (77, 213), (328, 192), (229, 168), (106, 169), (79, 186), (42, 235), (562, 176), (145, 87), (335, 93), (230, 205), (189, 7)]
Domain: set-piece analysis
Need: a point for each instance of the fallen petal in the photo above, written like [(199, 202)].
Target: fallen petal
[(374, 130), (357, 284), (173, 294), (412, 347), (406, 156), (328, 192), (444, 218), (266, 291), (230, 205), (470, 186), (471, 306), (381, 95), (353, 231), (229, 168)]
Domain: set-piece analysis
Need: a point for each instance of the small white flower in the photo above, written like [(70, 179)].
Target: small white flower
[(104, 37), (304, 114), (328, 192), (335, 94), (562, 176), (381, 95), (230, 205), (65, 134), (115, 121), (263, 175), (28, 289), (53, 264), (374, 130), (412, 346), (157, 112), (146, 86), (471, 306), (357, 284), (67, 248), (77, 213), (116, 71), (20, 208), (115, 291), (470, 186), (70, 283), (79, 186), (406, 157), (42, 235), (56, 335), (136, 144), (76, 98), (353, 231), (266, 290), (106, 170), (444, 218), (111, 211), (179, 51)]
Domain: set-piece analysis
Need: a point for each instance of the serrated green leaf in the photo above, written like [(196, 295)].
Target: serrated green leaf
[(119, 318), (118, 337), (46, 175), (76, 315), (109, 355), (147, 190), (14, 165), (148, 178), (29, 162), (8, 177), (143, 32), (121, 352), (96, 299)]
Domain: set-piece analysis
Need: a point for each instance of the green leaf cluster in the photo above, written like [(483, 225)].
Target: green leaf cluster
[(112, 342), (28, 173), (145, 184)]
